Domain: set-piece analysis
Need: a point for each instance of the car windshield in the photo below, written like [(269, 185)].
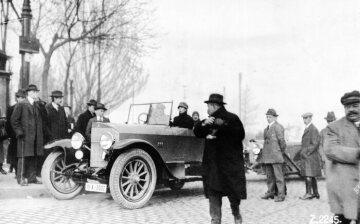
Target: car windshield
[(151, 113)]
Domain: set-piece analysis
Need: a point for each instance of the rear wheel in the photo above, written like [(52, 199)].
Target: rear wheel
[(57, 178), (133, 179)]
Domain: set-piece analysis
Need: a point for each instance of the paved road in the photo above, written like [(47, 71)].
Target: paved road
[(185, 206)]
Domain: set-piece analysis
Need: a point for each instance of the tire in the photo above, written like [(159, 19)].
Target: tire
[(176, 185), (56, 183), (133, 179)]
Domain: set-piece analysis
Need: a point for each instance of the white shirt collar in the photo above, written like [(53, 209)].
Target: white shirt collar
[(271, 123), (98, 118), (357, 123), (55, 105), (308, 125), (31, 100)]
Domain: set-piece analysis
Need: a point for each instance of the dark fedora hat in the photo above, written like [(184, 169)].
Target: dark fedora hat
[(20, 93), (32, 87), (330, 116), (100, 106), (272, 112), (216, 98), (350, 98), (56, 93), (91, 102)]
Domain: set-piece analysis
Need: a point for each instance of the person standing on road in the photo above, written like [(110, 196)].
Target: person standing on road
[(310, 158), (20, 95), (342, 149), (27, 123), (84, 118), (330, 117), (272, 157), (223, 162), (58, 124), (183, 120), (99, 111), (3, 136)]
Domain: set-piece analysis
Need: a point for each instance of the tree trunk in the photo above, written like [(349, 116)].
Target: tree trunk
[(66, 92), (45, 77)]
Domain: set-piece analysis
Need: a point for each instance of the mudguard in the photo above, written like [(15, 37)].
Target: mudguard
[(63, 145)]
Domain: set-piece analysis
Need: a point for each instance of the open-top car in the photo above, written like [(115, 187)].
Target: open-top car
[(129, 160)]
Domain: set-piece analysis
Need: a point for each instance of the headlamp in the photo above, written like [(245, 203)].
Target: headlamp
[(77, 140), (106, 141)]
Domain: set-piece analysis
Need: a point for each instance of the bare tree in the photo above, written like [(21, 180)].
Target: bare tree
[(248, 108), (58, 22)]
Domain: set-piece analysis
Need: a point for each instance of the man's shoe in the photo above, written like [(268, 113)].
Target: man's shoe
[(317, 195), (2, 171), (267, 196), (279, 199), (307, 196), (24, 182), (238, 220)]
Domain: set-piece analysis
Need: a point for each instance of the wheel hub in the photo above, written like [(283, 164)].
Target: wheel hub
[(134, 178)]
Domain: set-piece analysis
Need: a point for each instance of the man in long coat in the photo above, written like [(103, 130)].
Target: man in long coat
[(84, 118), (223, 162), (20, 95), (310, 158), (27, 124), (342, 149), (330, 117), (272, 157), (58, 124)]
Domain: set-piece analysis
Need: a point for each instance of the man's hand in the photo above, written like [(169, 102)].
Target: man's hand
[(209, 121), (219, 122)]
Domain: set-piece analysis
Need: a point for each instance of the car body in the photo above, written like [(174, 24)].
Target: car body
[(129, 160)]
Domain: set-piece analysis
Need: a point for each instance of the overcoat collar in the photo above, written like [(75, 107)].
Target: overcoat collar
[(219, 112), (308, 128)]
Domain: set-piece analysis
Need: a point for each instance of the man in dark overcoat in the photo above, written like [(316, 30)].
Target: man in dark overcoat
[(272, 157), (27, 124), (70, 120), (3, 136), (223, 162), (342, 149), (84, 118), (58, 124), (310, 159), (20, 95)]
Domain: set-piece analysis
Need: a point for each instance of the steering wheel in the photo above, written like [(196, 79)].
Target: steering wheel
[(142, 118)]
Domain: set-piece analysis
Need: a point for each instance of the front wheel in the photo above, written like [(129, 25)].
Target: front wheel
[(133, 179), (56, 178)]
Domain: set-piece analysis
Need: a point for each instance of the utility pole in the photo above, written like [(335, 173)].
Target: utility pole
[(184, 86), (25, 34), (240, 90)]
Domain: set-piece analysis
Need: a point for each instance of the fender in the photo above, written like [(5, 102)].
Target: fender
[(65, 146), (126, 143)]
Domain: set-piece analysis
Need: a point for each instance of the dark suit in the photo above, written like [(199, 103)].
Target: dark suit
[(89, 125), (272, 158), (27, 123), (12, 149), (82, 122), (58, 123), (183, 121)]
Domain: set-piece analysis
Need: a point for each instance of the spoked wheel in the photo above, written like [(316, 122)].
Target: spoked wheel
[(56, 177), (133, 179)]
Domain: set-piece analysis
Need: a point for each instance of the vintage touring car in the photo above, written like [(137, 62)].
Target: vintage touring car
[(129, 160)]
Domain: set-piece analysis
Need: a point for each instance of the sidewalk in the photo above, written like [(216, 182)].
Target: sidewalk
[(9, 188)]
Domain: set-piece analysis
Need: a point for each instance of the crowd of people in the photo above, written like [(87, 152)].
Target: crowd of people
[(32, 122)]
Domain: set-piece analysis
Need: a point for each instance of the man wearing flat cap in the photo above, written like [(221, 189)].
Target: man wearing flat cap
[(20, 95), (84, 118), (272, 157), (27, 124), (310, 161), (99, 111), (342, 149), (56, 116), (183, 120), (223, 162)]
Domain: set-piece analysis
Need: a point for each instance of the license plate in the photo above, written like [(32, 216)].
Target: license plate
[(95, 187)]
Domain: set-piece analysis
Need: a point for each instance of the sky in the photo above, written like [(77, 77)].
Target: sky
[(294, 56)]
